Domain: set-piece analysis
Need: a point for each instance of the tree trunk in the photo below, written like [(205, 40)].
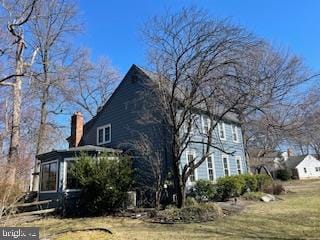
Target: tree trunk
[(16, 113), (158, 198), (44, 100), (181, 194), (43, 122)]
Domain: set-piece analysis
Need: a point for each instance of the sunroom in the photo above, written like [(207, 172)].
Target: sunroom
[(56, 182)]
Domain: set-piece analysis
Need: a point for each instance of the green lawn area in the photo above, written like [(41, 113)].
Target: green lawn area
[(297, 216)]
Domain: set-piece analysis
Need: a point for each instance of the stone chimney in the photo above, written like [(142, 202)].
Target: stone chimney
[(76, 129)]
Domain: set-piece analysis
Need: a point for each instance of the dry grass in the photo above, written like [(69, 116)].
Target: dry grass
[(296, 217)]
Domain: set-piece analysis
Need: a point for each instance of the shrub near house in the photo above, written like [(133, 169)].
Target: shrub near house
[(104, 182), (233, 186)]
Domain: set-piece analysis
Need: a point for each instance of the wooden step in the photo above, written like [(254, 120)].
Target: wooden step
[(33, 203), (39, 212)]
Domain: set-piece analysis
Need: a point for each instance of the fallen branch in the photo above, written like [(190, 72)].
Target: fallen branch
[(106, 230)]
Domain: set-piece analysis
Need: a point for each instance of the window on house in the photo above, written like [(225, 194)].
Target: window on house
[(225, 165), (210, 168), (235, 133), (71, 181), (305, 170), (192, 176), (206, 124), (104, 134), (238, 160), (100, 135), (221, 130), (49, 176), (317, 169)]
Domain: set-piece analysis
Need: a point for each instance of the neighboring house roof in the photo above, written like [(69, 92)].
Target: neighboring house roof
[(294, 161)]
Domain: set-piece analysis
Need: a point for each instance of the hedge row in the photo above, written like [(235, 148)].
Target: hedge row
[(230, 186)]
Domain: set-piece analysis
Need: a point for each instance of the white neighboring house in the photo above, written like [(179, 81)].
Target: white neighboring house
[(304, 167)]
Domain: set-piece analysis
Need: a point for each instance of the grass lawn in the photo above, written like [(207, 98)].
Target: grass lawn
[(296, 217)]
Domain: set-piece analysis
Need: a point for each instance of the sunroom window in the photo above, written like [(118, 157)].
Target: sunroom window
[(49, 176), (72, 182)]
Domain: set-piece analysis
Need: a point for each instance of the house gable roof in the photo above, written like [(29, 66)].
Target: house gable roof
[(294, 161), (134, 69), (137, 70)]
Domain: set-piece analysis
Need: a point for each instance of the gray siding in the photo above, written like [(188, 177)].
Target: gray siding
[(123, 111)]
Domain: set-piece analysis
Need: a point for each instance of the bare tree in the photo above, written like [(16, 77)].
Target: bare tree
[(56, 23), (153, 174), (18, 14), (306, 138), (209, 70), (90, 83), (194, 57)]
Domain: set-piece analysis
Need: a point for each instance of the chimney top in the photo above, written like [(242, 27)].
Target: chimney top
[(76, 129), (290, 152)]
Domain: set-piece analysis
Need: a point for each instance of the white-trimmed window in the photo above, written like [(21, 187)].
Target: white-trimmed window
[(206, 124), (104, 134), (317, 169), (305, 170), (239, 165), (222, 131), (70, 181), (225, 163), (210, 168), (191, 158), (235, 136), (49, 174)]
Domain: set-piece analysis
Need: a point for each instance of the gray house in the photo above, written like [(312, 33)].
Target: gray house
[(117, 125)]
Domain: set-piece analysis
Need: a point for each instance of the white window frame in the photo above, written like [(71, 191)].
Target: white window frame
[(65, 172), (193, 153), (104, 127), (224, 172), (208, 123), (234, 130), (213, 168), (57, 175), (221, 124), (240, 163)]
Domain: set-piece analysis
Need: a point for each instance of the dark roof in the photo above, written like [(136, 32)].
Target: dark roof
[(230, 116), (86, 148), (93, 148)]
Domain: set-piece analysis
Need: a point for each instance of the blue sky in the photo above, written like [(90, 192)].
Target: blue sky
[(112, 27)]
